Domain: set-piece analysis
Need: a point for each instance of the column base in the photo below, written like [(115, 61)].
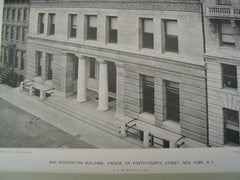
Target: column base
[(103, 108), (81, 100)]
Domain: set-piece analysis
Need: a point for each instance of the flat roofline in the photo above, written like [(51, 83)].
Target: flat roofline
[(130, 1)]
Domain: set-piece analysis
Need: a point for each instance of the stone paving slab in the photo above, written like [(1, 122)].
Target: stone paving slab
[(20, 129), (72, 126)]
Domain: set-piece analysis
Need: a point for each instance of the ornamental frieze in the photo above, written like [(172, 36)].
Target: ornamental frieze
[(162, 6)]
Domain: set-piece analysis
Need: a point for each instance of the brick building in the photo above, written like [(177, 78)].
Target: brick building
[(13, 48), (222, 32)]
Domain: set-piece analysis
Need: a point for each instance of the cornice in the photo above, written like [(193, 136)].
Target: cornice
[(117, 52), (183, 6)]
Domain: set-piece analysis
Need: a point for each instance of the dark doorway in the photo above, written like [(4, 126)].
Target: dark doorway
[(111, 77), (148, 94)]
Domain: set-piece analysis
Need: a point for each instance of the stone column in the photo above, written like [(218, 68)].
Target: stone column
[(44, 67), (21, 86), (81, 84), (123, 129), (66, 85), (120, 89), (42, 94), (31, 90), (146, 138), (103, 86)]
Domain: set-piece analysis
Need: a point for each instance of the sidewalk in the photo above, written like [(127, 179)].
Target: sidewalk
[(71, 125)]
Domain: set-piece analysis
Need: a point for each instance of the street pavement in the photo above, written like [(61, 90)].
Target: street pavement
[(20, 129), (73, 130)]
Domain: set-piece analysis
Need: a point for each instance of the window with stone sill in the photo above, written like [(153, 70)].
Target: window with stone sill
[(49, 60), (18, 34), (229, 76), (226, 34), (92, 68), (172, 101), (91, 27), (4, 13), (19, 14), (13, 14), (171, 35), (23, 57), (148, 94), (24, 33), (8, 14), (3, 31), (38, 63), (12, 33), (7, 32), (25, 11), (5, 55), (41, 23), (146, 33), (112, 28), (72, 25), (75, 67), (51, 24), (231, 126), (16, 59)]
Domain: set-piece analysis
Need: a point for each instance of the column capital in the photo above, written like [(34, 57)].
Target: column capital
[(62, 53), (119, 64), (80, 56), (102, 61)]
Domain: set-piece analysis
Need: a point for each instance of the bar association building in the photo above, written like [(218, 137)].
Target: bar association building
[(146, 57)]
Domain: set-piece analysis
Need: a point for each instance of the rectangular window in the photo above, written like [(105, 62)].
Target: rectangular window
[(224, 2), (51, 24), (13, 14), (38, 63), (147, 36), (75, 64), (4, 13), (7, 32), (226, 33), (19, 14), (91, 27), (8, 14), (23, 57), (172, 101), (18, 34), (92, 72), (3, 31), (229, 76), (25, 11), (171, 35), (231, 121), (12, 33), (16, 59), (112, 29), (40, 23), (49, 66), (5, 55), (72, 25), (24, 33), (148, 94)]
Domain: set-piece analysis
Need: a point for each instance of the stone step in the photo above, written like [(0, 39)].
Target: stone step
[(114, 130), (76, 110)]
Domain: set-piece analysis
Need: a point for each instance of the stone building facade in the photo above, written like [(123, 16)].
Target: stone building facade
[(13, 48), (147, 55), (222, 36)]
